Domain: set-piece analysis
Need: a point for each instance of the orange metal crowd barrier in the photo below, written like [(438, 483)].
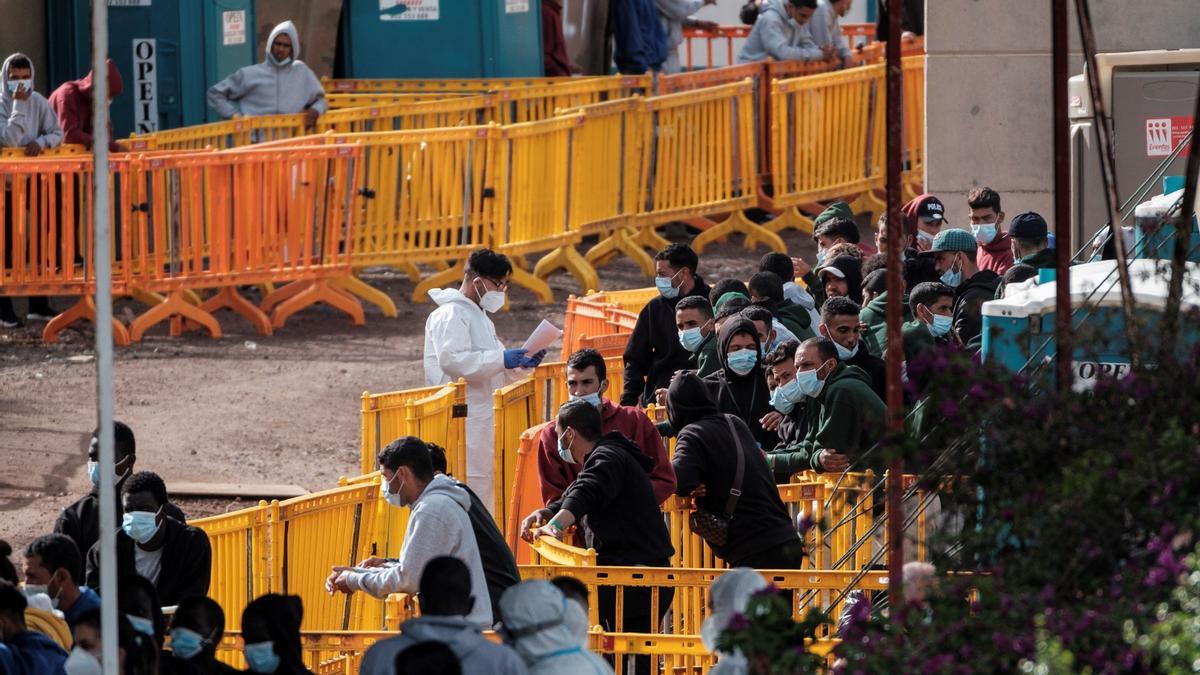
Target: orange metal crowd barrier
[(515, 410)]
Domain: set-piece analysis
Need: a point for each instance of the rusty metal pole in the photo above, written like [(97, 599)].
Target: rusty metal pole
[(1064, 348), (895, 296)]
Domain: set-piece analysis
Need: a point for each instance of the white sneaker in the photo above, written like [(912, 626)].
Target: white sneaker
[(10, 323), (35, 316)]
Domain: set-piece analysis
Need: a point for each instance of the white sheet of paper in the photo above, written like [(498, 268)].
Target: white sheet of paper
[(542, 337)]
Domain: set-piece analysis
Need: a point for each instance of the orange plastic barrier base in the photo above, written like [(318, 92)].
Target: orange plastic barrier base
[(84, 309)]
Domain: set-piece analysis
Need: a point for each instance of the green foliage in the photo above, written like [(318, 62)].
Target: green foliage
[(772, 642)]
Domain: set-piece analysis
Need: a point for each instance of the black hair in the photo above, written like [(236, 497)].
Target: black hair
[(804, 4), (581, 416), (1019, 272), (573, 588), (57, 552), (767, 285), (147, 481), (825, 347), (124, 443), (928, 293), (137, 595), (12, 601), (210, 617), (732, 307), (445, 587), (875, 282), (875, 262), (583, 358), (780, 264), (839, 306), (696, 302), (408, 451), (756, 313), (427, 657), (20, 62), (487, 263), (837, 227), (8, 572), (437, 457), (749, 13), (679, 255), (726, 286), (784, 351)]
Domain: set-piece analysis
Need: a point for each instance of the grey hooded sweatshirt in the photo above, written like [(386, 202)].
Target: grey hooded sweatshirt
[(775, 36), (267, 89), (477, 654), (438, 525), (28, 121)]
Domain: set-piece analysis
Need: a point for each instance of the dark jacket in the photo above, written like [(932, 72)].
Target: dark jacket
[(653, 353), (639, 39), (968, 306), (815, 288), (705, 360), (912, 19), (282, 616), (1043, 260), (31, 653), (746, 396), (918, 268), (81, 521), (795, 318), (847, 417), (499, 567), (704, 455), (874, 314), (186, 562), (615, 494), (554, 45), (170, 664), (791, 431), (873, 366)]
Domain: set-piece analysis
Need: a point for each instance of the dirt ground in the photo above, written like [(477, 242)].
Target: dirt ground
[(245, 408)]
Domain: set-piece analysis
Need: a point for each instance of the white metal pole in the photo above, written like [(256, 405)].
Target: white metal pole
[(104, 336)]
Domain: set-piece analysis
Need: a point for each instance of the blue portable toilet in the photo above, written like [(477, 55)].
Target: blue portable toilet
[(438, 39), (1019, 329), (1156, 240), (168, 53)]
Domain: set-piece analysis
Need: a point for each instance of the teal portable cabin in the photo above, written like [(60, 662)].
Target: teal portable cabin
[(439, 39), (1018, 330), (169, 52)]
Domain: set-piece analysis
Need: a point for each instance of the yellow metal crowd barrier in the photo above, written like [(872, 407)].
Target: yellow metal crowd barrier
[(434, 414), (241, 557)]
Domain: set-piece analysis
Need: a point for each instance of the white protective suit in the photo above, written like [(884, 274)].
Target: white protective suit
[(538, 618), (461, 342), (267, 89), (729, 593)]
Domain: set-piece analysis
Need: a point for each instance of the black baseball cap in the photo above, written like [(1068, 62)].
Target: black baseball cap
[(931, 208), (1028, 225)]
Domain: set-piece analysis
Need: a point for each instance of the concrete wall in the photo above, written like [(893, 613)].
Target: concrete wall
[(988, 89), (24, 30)]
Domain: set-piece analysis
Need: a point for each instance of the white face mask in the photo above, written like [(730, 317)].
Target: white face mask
[(490, 301), (82, 662), (393, 498)]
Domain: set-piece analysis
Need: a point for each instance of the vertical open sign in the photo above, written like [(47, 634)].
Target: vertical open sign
[(145, 85)]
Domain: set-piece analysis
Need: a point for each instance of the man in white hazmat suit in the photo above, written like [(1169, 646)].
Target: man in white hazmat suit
[(281, 85), (461, 342), (729, 595), (542, 625)]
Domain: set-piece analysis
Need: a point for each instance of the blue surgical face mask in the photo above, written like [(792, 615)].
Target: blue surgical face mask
[(141, 625), (186, 643), (593, 398), (809, 383), (941, 325), (691, 338), (951, 277), (820, 258), (844, 353), (141, 526), (743, 361), (564, 452), (262, 657), (668, 291), (786, 396), (13, 85), (984, 232), (94, 472), (278, 62)]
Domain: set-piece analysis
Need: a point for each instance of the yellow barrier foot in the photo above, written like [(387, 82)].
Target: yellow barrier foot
[(868, 202), (540, 288), (175, 304), (145, 297), (569, 259), (438, 280), (320, 290), (620, 240), (355, 286), (410, 270), (272, 299), (911, 190), (738, 223), (649, 238), (790, 219), (266, 289), (84, 309)]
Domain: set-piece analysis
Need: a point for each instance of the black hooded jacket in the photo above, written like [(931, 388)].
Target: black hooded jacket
[(281, 616), (653, 352), (968, 306), (186, 565), (704, 454), (851, 269), (613, 490), (746, 396)]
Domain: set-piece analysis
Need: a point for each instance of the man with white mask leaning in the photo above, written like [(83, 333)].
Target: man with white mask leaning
[(461, 342), (281, 85)]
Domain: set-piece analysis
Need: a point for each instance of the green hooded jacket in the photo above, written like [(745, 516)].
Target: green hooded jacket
[(847, 416), (796, 319), (874, 314)]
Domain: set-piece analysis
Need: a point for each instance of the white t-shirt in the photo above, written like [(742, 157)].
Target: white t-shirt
[(148, 563)]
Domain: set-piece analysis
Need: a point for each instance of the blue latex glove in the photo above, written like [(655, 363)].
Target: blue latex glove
[(514, 358), (533, 361)]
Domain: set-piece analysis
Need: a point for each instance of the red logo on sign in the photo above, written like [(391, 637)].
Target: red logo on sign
[(1164, 134)]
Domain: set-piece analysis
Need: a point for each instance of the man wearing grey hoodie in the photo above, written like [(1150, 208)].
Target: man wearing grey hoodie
[(446, 601), (26, 121), (438, 525), (281, 85), (781, 33)]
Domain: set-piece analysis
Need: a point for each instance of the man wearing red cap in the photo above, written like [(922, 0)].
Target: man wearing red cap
[(72, 103)]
